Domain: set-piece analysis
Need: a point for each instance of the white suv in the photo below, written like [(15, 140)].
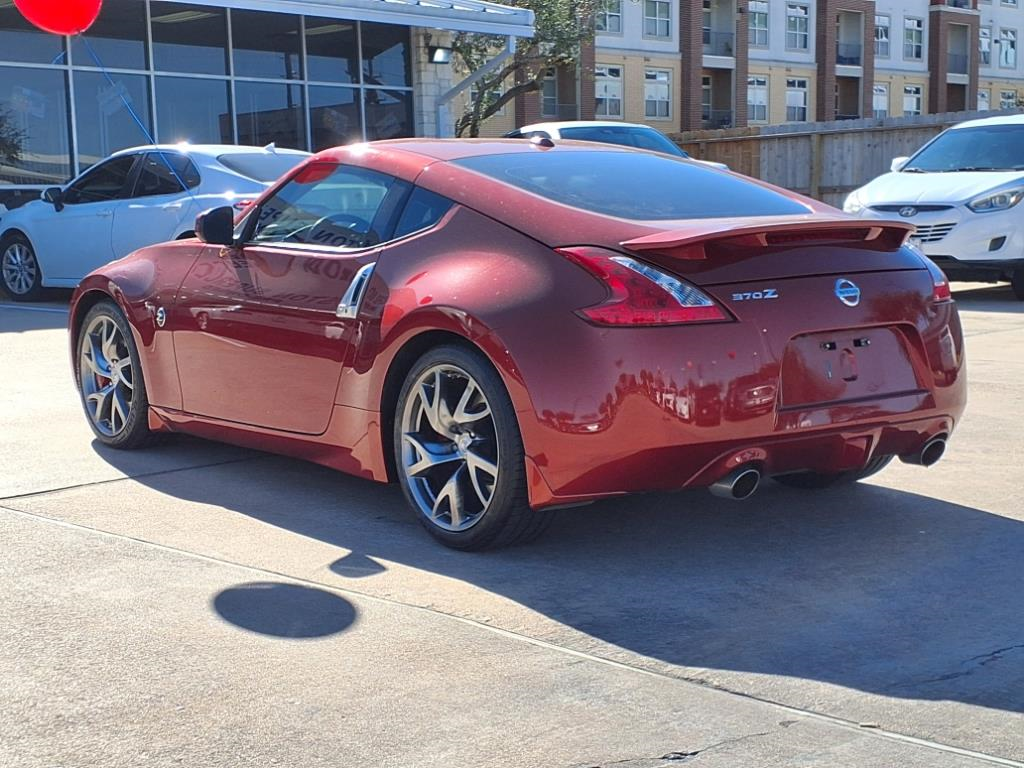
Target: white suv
[(962, 191)]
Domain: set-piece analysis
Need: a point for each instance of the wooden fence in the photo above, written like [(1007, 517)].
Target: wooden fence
[(824, 160)]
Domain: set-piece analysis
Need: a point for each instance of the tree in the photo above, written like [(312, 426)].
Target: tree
[(561, 28), (11, 139)]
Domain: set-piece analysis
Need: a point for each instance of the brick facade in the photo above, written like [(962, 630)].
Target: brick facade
[(941, 18), (692, 47), (825, 45)]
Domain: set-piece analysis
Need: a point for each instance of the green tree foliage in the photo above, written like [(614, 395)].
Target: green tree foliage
[(561, 28), (11, 139)]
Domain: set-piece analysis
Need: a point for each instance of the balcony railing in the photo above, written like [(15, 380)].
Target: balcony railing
[(849, 54), (717, 118), (844, 116), (957, 63), (719, 43), (968, 4)]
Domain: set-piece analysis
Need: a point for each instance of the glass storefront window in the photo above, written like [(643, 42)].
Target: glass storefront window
[(270, 112), (334, 116), (386, 54), (189, 38), (105, 124), (21, 42), (194, 110), (388, 114), (34, 128), (332, 51), (266, 45), (118, 37)]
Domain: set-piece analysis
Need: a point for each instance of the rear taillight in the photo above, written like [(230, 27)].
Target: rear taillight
[(640, 294), (940, 283)]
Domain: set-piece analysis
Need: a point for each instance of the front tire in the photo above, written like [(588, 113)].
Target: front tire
[(459, 454), (19, 269), (109, 376), (1017, 282), (818, 480)]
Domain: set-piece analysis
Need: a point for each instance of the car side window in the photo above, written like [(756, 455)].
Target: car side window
[(423, 209), (326, 204), (156, 176), (107, 181)]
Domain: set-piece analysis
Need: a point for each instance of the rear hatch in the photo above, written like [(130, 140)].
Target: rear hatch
[(838, 308)]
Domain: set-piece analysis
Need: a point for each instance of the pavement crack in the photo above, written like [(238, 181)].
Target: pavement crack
[(676, 756)]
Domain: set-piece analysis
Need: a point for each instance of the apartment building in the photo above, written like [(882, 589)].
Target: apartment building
[(692, 64)]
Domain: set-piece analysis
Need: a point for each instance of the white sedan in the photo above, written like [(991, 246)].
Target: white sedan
[(963, 191), (134, 198)]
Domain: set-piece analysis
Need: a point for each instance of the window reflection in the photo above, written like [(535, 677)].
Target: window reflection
[(105, 122), (118, 37), (388, 114), (332, 50), (386, 54), (189, 38), (193, 110), (22, 42), (270, 112), (34, 132), (266, 45), (334, 116)]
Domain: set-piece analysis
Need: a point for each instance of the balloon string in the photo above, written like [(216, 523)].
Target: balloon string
[(131, 111)]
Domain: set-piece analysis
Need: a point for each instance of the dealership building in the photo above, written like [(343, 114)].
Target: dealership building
[(302, 74)]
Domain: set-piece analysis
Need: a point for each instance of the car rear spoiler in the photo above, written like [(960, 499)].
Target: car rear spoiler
[(692, 242)]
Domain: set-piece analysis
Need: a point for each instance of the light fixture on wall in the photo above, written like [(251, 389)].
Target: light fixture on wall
[(437, 54)]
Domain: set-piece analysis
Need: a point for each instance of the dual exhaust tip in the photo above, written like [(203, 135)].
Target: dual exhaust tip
[(743, 481)]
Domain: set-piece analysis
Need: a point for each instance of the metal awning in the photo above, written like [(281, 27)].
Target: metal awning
[(455, 15)]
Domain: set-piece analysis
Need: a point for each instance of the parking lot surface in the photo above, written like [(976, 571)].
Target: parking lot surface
[(198, 604)]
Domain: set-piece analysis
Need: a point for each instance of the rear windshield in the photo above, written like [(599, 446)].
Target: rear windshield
[(982, 148), (260, 166), (641, 138), (633, 185)]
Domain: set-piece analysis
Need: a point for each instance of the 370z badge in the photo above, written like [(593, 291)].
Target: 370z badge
[(767, 293)]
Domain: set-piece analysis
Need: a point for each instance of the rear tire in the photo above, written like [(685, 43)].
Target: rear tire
[(1018, 284), (109, 377), (20, 272), (459, 454), (818, 480)]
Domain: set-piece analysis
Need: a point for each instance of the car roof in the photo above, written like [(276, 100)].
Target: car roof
[(559, 125), (456, 149), (997, 120), (210, 150)]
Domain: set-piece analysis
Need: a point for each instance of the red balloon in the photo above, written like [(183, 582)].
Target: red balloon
[(61, 17)]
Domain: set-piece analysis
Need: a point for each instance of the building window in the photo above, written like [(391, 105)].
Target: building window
[(549, 93), (608, 91), (1011, 3), (1008, 48), (189, 38), (985, 45), (1007, 99), (35, 101), (657, 18), (796, 100), (797, 26), (758, 11), (984, 101), (609, 16), (657, 93), (912, 100), (913, 39), (705, 98), (880, 100), (706, 23), (882, 36), (757, 99)]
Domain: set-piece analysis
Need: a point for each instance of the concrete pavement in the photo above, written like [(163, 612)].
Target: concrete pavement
[(206, 605)]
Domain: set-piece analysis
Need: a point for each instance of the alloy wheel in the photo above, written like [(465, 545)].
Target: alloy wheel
[(107, 378), (19, 268), (449, 448)]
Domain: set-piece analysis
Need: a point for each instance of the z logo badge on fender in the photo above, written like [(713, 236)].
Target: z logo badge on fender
[(767, 293)]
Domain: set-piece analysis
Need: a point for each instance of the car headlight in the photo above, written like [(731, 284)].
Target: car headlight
[(853, 203), (997, 201)]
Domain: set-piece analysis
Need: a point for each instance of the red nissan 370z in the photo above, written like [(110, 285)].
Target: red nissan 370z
[(505, 327)]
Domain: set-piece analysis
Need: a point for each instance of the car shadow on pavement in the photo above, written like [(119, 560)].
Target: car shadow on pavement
[(863, 586), (990, 298), (49, 314)]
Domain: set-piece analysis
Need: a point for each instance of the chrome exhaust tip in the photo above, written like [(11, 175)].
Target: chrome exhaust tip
[(739, 484), (929, 454)]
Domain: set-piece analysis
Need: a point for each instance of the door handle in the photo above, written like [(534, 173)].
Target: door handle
[(348, 307), (105, 214)]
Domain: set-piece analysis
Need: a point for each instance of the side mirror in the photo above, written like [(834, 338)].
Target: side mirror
[(54, 196), (217, 226), (898, 163)]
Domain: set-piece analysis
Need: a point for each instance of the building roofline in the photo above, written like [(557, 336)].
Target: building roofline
[(455, 15)]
